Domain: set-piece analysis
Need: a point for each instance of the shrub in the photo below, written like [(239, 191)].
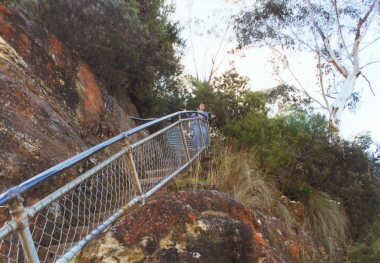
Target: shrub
[(130, 45), (297, 152), (227, 97), (367, 249)]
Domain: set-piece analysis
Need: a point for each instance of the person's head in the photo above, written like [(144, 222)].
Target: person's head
[(202, 106)]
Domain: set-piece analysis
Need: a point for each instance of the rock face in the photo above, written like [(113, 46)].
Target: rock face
[(51, 104), (205, 226)]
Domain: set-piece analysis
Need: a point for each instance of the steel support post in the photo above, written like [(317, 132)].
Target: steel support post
[(20, 217), (134, 173), (183, 138)]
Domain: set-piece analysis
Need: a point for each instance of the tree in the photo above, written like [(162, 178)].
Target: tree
[(335, 31), (227, 97)]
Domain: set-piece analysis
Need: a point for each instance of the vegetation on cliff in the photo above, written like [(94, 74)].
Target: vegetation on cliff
[(278, 147), (130, 45), (275, 153)]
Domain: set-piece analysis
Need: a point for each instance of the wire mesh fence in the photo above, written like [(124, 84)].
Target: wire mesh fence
[(10, 249), (74, 215), (61, 223)]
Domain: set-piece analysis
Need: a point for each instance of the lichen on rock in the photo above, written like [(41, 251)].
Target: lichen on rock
[(206, 226)]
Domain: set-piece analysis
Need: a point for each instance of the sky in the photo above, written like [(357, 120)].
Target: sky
[(208, 35)]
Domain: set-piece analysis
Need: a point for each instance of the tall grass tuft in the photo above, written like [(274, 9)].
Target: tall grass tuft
[(328, 222)]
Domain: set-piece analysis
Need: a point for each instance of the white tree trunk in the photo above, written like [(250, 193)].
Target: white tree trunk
[(337, 107)]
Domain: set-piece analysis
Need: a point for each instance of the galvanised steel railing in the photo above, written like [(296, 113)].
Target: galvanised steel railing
[(57, 227)]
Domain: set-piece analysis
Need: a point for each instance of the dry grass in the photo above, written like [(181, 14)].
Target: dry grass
[(234, 173), (328, 222)]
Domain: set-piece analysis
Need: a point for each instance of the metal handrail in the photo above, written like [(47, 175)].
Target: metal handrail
[(152, 119), (111, 182), (17, 190)]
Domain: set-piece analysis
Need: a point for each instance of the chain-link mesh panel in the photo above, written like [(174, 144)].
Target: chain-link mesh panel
[(159, 157), (190, 127), (58, 227), (75, 214), (11, 249)]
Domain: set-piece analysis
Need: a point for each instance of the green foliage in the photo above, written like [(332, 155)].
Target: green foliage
[(128, 44), (290, 23), (294, 149), (311, 26), (287, 99), (169, 101), (7, 2), (297, 152), (227, 97), (367, 249)]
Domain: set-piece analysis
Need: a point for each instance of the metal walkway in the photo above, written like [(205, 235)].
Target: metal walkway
[(58, 226)]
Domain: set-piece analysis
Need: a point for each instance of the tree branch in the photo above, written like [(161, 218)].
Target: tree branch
[(333, 60), (340, 32), (370, 63), (294, 76), (303, 89), (215, 67), (303, 42), (321, 81), (331, 97), (362, 21), (369, 44), (320, 69), (369, 83), (341, 71)]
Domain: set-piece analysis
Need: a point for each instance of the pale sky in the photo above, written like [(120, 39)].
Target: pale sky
[(208, 17)]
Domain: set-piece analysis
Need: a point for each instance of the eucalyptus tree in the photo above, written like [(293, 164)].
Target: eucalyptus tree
[(337, 32)]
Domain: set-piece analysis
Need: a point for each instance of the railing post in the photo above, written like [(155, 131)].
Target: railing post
[(200, 129), (20, 217), (183, 138), (134, 173)]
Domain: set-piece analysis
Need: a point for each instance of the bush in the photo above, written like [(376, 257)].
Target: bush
[(227, 97), (130, 45), (367, 249), (297, 152)]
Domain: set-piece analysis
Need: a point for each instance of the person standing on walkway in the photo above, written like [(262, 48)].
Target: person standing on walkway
[(203, 121)]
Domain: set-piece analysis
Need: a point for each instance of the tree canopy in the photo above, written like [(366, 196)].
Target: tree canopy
[(334, 31)]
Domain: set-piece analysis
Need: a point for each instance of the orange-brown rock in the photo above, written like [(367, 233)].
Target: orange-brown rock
[(51, 105), (206, 226)]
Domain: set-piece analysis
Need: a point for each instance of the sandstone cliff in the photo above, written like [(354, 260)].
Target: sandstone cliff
[(205, 226), (51, 104)]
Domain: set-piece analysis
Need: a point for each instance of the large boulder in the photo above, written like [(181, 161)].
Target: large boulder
[(51, 105), (205, 226)]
